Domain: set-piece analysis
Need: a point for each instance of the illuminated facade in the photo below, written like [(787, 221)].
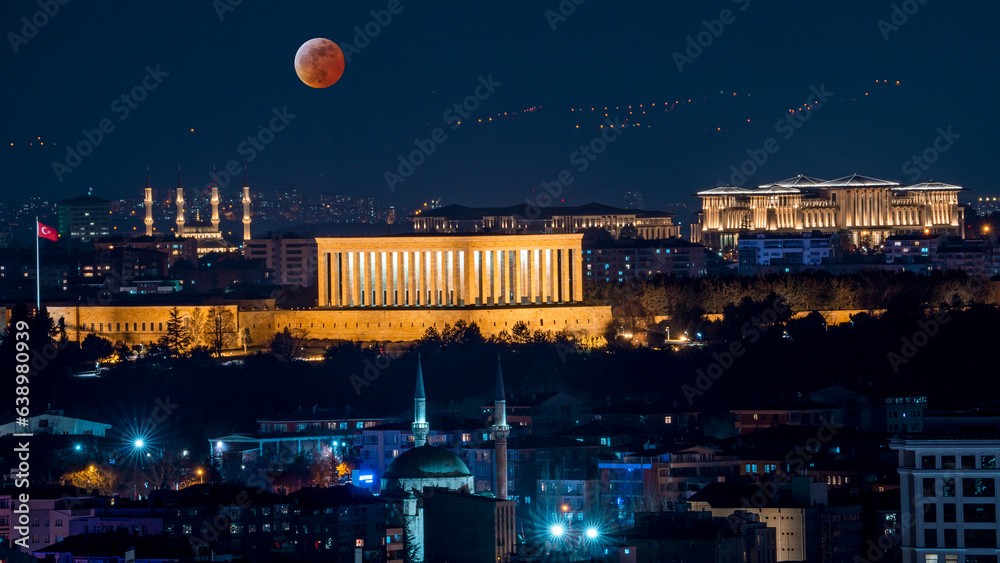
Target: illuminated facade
[(866, 210), (450, 271), (528, 219)]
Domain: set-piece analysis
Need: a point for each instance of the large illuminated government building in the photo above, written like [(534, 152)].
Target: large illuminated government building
[(866, 210)]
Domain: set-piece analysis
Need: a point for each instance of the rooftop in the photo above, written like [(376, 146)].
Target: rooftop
[(461, 212)]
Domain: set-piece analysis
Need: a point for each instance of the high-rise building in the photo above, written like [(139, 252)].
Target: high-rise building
[(292, 258), (949, 499), (84, 218)]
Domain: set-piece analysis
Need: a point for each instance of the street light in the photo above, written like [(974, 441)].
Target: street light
[(592, 533), (557, 530), (139, 443)]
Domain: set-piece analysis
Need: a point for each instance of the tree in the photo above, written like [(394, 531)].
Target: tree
[(287, 344), (628, 232), (123, 352), (197, 326), (105, 480), (178, 337), (244, 338), (520, 333), (95, 348), (221, 329)]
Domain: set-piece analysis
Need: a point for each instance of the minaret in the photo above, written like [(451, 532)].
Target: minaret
[(500, 433), (420, 426), (215, 207), (180, 204), (148, 204), (246, 205)]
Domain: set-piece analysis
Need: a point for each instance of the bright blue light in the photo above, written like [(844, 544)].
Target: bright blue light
[(140, 443), (592, 533), (557, 530), (77, 447)]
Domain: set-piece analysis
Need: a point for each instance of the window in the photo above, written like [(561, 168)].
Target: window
[(948, 487), (989, 462), (968, 462), (978, 487), (948, 513), (981, 539), (980, 559), (931, 558), (928, 462), (950, 538), (930, 537), (929, 487), (979, 513), (947, 462)]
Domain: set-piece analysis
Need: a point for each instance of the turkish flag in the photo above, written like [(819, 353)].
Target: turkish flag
[(47, 232)]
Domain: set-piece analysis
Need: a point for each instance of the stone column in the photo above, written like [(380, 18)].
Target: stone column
[(407, 280), (564, 275), (496, 269), (461, 274), (532, 275), (518, 275), (338, 280), (393, 282), (472, 267), (414, 278), (577, 258), (323, 285), (354, 275), (430, 287), (545, 275)]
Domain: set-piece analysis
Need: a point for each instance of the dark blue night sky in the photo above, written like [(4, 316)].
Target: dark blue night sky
[(226, 76)]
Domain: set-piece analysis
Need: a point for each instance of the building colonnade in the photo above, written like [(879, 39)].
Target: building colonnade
[(450, 271)]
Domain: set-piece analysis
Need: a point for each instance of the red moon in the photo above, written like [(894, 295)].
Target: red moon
[(319, 63)]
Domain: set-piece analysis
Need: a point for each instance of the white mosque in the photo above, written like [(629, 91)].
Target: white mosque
[(207, 233)]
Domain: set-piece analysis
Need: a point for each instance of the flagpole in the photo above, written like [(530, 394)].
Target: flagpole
[(38, 267)]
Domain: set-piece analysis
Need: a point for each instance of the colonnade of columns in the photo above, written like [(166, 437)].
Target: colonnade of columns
[(450, 278)]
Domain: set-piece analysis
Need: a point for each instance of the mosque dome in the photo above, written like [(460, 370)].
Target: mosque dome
[(427, 462)]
